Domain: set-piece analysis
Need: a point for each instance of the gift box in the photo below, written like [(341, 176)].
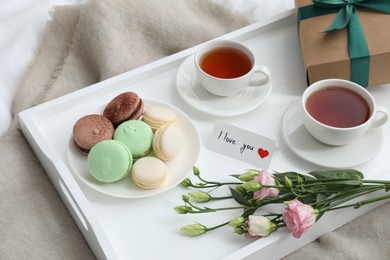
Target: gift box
[(340, 53)]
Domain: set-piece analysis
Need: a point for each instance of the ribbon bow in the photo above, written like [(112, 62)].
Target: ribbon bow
[(347, 17)]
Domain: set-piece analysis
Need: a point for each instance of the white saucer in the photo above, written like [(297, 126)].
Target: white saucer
[(189, 89), (178, 168), (307, 147)]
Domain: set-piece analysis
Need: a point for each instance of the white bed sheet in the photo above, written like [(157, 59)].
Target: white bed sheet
[(22, 24)]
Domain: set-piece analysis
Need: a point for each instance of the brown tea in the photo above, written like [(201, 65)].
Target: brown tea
[(338, 107), (225, 62)]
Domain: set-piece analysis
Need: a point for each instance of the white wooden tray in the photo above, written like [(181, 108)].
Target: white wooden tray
[(148, 228)]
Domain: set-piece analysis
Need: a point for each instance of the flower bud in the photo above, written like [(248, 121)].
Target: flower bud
[(239, 230), (186, 182), (299, 180), (194, 229), (183, 209), (251, 186), (248, 175), (287, 182), (238, 221), (200, 196), (195, 171), (185, 198)]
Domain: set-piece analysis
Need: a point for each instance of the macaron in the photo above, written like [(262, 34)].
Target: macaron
[(149, 173), (109, 161), (137, 136), (90, 130), (156, 117), (167, 142), (126, 106)]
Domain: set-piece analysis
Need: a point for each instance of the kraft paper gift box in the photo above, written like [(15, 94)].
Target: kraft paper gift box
[(326, 54)]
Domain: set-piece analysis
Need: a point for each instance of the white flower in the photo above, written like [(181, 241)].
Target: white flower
[(260, 226)]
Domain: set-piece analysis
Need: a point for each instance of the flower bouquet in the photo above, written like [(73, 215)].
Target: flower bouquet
[(305, 198)]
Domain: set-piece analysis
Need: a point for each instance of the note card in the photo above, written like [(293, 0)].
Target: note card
[(242, 145)]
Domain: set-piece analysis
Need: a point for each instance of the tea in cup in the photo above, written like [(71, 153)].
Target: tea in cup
[(225, 68), (337, 112)]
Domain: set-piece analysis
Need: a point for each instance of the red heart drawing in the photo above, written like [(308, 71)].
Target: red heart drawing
[(263, 153)]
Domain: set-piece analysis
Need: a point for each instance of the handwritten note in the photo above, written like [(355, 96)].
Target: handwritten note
[(242, 145)]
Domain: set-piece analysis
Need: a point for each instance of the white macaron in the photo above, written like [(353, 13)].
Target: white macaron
[(149, 173)]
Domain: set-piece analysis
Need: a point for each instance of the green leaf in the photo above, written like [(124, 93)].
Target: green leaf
[(343, 183), (347, 174), (308, 199), (325, 196), (248, 212), (292, 176), (239, 198), (288, 174)]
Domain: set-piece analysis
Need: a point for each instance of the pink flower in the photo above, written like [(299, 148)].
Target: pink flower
[(267, 179), (299, 217), (247, 235)]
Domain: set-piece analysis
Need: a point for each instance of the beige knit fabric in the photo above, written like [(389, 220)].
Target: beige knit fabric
[(84, 44)]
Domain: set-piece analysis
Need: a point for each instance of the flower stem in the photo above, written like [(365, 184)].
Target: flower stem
[(221, 198), (205, 186), (343, 197), (207, 210), (210, 184), (361, 203), (218, 226), (376, 181)]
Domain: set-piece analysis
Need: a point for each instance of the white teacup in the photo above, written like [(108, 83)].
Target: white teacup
[(336, 116), (225, 68)]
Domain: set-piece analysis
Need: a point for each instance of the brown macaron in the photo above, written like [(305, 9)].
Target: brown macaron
[(90, 130), (126, 106)]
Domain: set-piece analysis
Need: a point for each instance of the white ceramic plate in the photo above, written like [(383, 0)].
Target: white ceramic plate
[(307, 147), (178, 168), (189, 89)]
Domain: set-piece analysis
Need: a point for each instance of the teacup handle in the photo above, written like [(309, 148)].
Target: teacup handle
[(381, 120), (260, 69)]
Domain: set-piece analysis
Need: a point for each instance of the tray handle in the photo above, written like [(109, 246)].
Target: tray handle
[(68, 189), (72, 203), (81, 211)]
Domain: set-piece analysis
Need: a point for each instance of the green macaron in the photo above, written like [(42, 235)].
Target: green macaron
[(137, 136), (109, 161)]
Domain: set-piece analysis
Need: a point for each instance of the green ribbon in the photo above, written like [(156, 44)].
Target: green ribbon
[(347, 17)]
